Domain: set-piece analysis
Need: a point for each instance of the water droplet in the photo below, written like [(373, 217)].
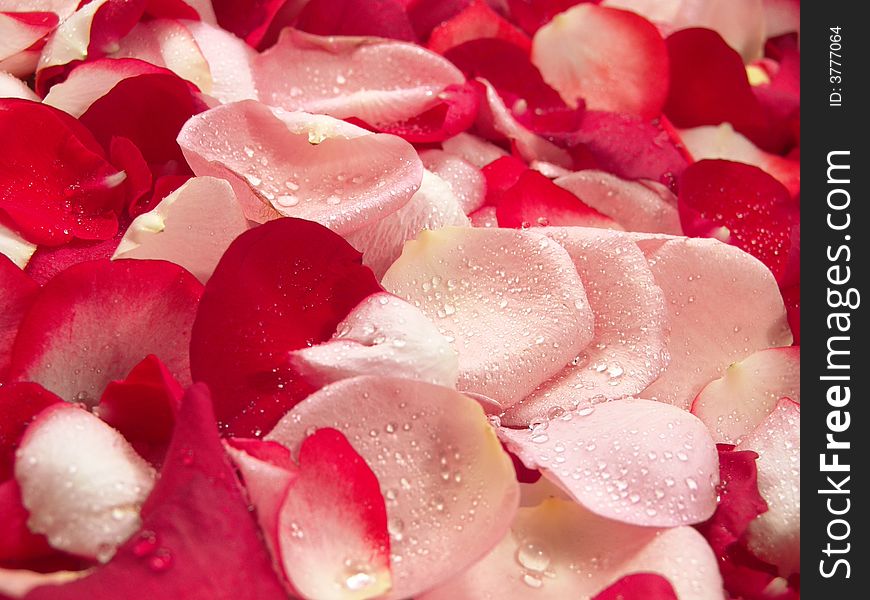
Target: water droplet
[(532, 555)]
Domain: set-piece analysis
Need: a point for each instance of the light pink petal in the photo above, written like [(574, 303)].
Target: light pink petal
[(781, 16), (775, 535), (81, 481), (20, 31), (484, 217), (510, 301), (386, 336), (62, 8), (16, 583), (15, 247), (636, 205), (557, 550), (433, 206), (614, 60), (465, 180), (634, 461), (191, 227), (450, 489), (735, 404), (92, 80), (723, 305), (12, 87), (628, 350), (230, 61), (472, 149), (723, 142), (376, 80), (301, 165), (549, 170), (496, 120)]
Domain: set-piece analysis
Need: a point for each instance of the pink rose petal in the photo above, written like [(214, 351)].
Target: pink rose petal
[(19, 291), (465, 180), (450, 489), (19, 31), (511, 302), (635, 461), (474, 150), (12, 87)]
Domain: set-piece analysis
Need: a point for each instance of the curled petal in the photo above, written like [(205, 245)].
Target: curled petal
[(12, 87), (436, 459), (511, 302), (21, 36), (476, 151), (476, 21), (16, 583), (635, 461), (15, 248), (465, 180)]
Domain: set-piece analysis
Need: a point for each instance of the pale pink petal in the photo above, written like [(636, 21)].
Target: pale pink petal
[(735, 404), (775, 535), (472, 149), (485, 217), (634, 461), (230, 62), (12, 87), (62, 8), (723, 142), (557, 550), (72, 38), (497, 121), (386, 336), (17, 34), (450, 489), (465, 180), (628, 350), (15, 247), (433, 206), (301, 165), (377, 80), (636, 205), (81, 481), (549, 170), (16, 583), (92, 80), (723, 305), (510, 301), (612, 59), (191, 227), (781, 17)]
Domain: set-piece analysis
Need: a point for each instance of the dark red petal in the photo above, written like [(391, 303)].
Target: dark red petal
[(127, 157), (524, 474), (709, 86), (95, 321), (639, 586), (19, 403), (628, 147), (535, 201), (48, 261), (379, 18), (742, 205), (266, 451), (532, 14), (426, 15), (198, 540), (149, 110), (18, 292), (143, 408), (112, 21), (17, 543), (476, 21), (55, 183), (170, 9), (281, 286), (501, 175)]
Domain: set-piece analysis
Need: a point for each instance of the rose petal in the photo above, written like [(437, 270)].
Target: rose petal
[(474, 150), (12, 87), (629, 348), (19, 31), (18, 545), (248, 20), (781, 16), (634, 461), (484, 217), (316, 167), (587, 48), (17, 583), (476, 21), (465, 180), (586, 554), (191, 227), (15, 248), (230, 62), (198, 539), (736, 404), (19, 404), (380, 18), (81, 481), (18, 293), (433, 206), (383, 335), (775, 535), (64, 342), (49, 261), (531, 15), (636, 205), (723, 305), (510, 301), (436, 459), (646, 585), (279, 287)]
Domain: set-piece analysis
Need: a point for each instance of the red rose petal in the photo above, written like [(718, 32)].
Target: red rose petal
[(279, 287), (380, 18), (792, 298), (95, 321), (19, 403), (426, 15), (20, 32), (12, 87), (531, 15), (742, 205), (17, 543), (476, 21), (501, 175), (198, 540), (18, 293), (77, 193), (648, 586), (48, 261), (248, 20)]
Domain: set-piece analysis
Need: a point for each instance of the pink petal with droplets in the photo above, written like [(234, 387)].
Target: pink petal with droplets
[(484, 217), (510, 301), (628, 350), (775, 535), (557, 550), (635, 461), (450, 489), (230, 62), (301, 165), (472, 149), (376, 80), (191, 227), (735, 404), (385, 336), (465, 180)]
